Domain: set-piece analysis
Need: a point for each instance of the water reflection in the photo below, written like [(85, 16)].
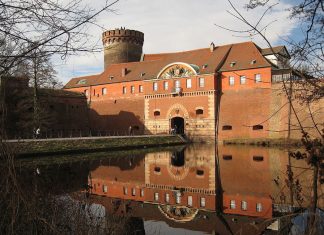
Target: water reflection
[(246, 186)]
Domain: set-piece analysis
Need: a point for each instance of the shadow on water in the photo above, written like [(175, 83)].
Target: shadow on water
[(242, 190)]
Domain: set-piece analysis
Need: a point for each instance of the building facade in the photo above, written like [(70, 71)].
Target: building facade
[(232, 91)]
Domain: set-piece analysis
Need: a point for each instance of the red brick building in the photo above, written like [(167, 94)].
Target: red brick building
[(234, 90)]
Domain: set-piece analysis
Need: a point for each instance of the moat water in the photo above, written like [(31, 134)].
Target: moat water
[(195, 189)]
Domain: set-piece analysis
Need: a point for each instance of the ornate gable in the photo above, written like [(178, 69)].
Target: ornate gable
[(178, 70)]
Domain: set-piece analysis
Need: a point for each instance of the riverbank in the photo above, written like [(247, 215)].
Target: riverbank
[(47, 147), (265, 142)]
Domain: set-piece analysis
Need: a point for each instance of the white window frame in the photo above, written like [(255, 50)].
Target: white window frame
[(244, 205), (156, 196), (141, 89), (259, 207), (142, 192), (86, 92), (132, 89), (232, 204), (177, 84), (189, 200), (178, 197), (201, 82), (202, 202), (167, 197), (133, 191), (188, 83), (124, 90), (155, 86), (166, 85), (125, 191), (257, 78), (242, 79), (231, 80), (104, 91), (105, 188)]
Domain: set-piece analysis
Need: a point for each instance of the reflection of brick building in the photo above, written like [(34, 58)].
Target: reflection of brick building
[(237, 84), (189, 180)]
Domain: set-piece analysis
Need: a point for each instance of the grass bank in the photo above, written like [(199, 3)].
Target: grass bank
[(265, 142), (28, 148)]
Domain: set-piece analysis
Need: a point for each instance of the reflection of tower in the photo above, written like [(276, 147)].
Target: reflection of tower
[(178, 158), (122, 45)]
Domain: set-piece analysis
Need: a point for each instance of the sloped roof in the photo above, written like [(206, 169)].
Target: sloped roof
[(208, 62), (282, 50)]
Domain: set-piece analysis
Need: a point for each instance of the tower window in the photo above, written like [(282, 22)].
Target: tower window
[(227, 157), (156, 113), (257, 127), (258, 158), (200, 172), (157, 169), (226, 128)]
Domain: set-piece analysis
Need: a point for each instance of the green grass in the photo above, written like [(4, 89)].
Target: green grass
[(91, 145)]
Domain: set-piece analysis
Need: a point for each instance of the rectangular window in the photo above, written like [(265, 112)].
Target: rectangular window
[(177, 84), (178, 198), (257, 77), (231, 81), (133, 191), (202, 202), (142, 192), (232, 204), (242, 80), (166, 85), (104, 188), (125, 190), (244, 205), (189, 83), (156, 196), (124, 90), (94, 92), (155, 86), (201, 82), (140, 89), (189, 200), (86, 92), (167, 198), (132, 89), (104, 91), (258, 207)]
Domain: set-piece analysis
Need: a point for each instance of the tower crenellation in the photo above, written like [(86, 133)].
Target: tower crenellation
[(122, 45)]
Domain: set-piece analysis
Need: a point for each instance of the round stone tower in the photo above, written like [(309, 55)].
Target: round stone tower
[(122, 45)]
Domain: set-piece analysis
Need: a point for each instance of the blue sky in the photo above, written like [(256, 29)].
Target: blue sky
[(178, 25)]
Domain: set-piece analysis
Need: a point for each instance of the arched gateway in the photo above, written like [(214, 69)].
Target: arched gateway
[(177, 125)]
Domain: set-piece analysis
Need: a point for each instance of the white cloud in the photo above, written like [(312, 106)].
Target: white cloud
[(179, 25)]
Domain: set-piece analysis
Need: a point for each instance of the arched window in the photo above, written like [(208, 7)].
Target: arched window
[(257, 127), (199, 111), (157, 169), (227, 127), (157, 113)]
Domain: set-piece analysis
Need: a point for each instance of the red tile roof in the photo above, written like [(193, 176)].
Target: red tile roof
[(241, 53)]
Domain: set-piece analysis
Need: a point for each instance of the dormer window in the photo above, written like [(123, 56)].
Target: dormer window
[(82, 81), (111, 77), (253, 61), (232, 64), (142, 74), (205, 66)]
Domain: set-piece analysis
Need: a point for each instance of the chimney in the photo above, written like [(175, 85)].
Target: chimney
[(124, 72), (212, 47)]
